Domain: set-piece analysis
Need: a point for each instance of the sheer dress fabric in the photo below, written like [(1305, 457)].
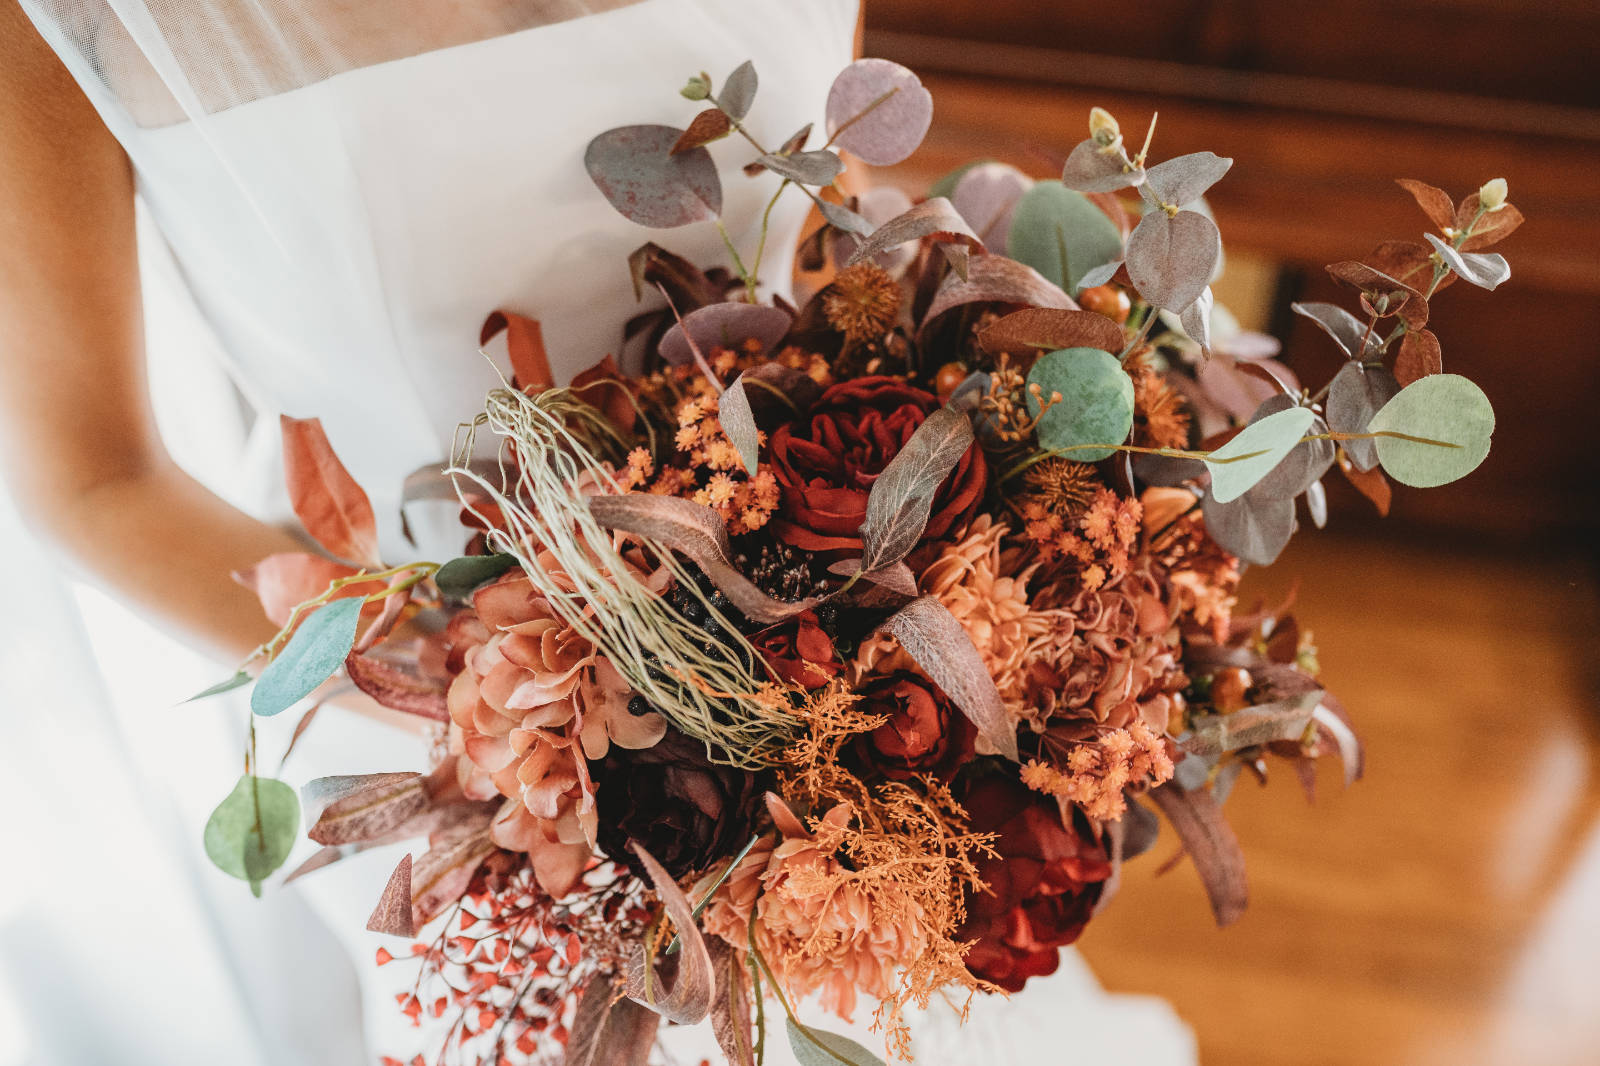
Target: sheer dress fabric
[(335, 193)]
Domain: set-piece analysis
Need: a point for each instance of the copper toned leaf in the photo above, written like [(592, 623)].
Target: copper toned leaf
[(610, 1029), (284, 581), (1197, 819), (700, 533), (393, 914), (1408, 262), (712, 124), (878, 111), (326, 499), (723, 325), (933, 638), (1493, 228), (447, 867), (1419, 356), (399, 686), (730, 1004), (1370, 483), (634, 168), (530, 363), (683, 997), (934, 218), (357, 808), (901, 496), (1434, 201), (1049, 328)]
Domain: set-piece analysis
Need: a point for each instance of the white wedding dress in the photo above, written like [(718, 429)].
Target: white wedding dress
[(336, 195)]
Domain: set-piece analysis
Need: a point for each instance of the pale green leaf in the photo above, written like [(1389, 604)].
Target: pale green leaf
[(238, 679), (1238, 465), (1096, 404), (1061, 234), (1440, 407), (812, 1047), (250, 845), (316, 650)]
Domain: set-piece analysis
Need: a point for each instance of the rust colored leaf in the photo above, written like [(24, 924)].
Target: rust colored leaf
[(447, 867), (1420, 355), (739, 423), (363, 807), (996, 279), (284, 581), (700, 533), (392, 915), (530, 363), (1492, 228), (605, 386), (326, 499), (687, 286), (610, 1029), (712, 124), (902, 496), (1370, 483), (1050, 328), (730, 1004), (1434, 201), (931, 635), (1197, 819), (400, 687), (685, 996), (1408, 262), (935, 218)]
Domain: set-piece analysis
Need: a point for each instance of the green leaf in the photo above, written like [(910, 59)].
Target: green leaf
[(1061, 234), (1096, 401), (460, 577), (315, 651), (1440, 407), (812, 1047), (241, 678), (246, 846), (1265, 443)]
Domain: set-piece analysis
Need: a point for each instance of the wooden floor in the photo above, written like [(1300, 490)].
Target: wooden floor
[(1447, 909)]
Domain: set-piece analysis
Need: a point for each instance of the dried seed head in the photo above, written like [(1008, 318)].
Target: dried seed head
[(1493, 194), (862, 302)]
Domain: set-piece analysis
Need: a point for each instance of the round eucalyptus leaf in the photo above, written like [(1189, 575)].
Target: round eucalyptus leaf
[(815, 1047), (1172, 260), (316, 650), (878, 111), (1255, 528), (247, 846), (1441, 407), (1357, 393), (1306, 461), (1096, 405), (1061, 234), (1240, 464), (635, 168), (946, 185)]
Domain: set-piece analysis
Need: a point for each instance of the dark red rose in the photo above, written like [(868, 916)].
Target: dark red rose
[(925, 733), (1042, 887), (799, 651), (825, 465)]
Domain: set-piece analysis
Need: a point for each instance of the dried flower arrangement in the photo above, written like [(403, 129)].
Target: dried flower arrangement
[(846, 649)]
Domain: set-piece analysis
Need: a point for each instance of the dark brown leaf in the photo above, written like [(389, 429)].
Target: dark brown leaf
[(609, 1029), (902, 496), (935, 218), (1197, 819), (1049, 328), (686, 285), (686, 997), (709, 125), (996, 279), (1419, 356), (393, 914), (932, 637), (1434, 201), (700, 533), (362, 807), (730, 1004), (794, 390), (326, 499)]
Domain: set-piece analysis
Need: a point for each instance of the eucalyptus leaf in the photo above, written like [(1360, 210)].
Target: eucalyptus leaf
[(1099, 275), (1255, 528), (813, 1047), (1171, 260), (739, 91), (1306, 461), (1441, 407), (1093, 167), (237, 680), (987, 198), (1196, 320), (806, 168), (1356, 394), (1486, 270), (316, 650), (1061, 234), (1237, 466), (636, 170), (878, 111), (458, 578), (1096, 405), (946, 185), (1346, 329), (845, 219), (247, 847), (1185, 178), (1317, 504), (902, 496), (739, 423)]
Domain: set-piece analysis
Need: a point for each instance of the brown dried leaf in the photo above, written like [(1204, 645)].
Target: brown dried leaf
[(1197, 818), (730, 1004), (447, 867), (530, 363), (609, 1029), (685, 996), (326, 499), (1419, 356), (996, 279), (1408, 262), (1493, 228), (902, 496), (399, 686), (1049, 328), (932, 637), (936, 218), (1434, 201), (1370, 483), (393, 914), (709, 125), (700, 533), (362, 807)]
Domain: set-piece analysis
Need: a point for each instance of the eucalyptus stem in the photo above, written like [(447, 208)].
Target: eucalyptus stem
[(766, 217), (738, 263)]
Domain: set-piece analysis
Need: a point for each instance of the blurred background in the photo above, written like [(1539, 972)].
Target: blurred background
[(1446, 910)]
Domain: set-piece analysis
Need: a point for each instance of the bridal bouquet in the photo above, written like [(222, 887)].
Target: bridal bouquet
[(848, 649)]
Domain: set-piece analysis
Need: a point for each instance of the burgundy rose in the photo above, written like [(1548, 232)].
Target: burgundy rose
[(1042, 887), (825, 465), (925, 733), (799, 651)]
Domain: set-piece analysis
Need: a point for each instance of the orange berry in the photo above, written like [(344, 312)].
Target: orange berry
[(1106, 300), (1228, 690), (949, 378)]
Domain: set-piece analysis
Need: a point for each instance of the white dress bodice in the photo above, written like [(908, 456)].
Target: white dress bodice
[(343, 240)]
